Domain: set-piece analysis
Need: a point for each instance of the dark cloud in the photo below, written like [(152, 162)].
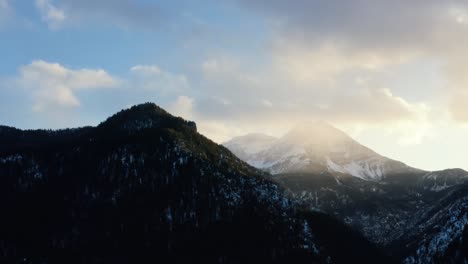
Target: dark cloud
[(363, 23), (380, 29)]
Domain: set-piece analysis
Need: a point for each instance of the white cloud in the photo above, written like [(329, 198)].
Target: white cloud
[(415, 131), (459, 15), (325, 62), (153, 78), (53, 85), (53, 16), (459, 107), (146, 69), (183, 107), (267, 103), (251, 93), (221, 100), (322, 41), (219, 65), (220, 132)]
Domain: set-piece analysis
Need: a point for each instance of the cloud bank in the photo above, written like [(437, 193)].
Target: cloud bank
[(324, 40), (53, 86)]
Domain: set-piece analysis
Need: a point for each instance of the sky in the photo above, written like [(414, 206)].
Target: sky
[(392, 74)]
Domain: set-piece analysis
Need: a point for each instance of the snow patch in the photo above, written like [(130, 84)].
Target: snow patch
[(366, 170)]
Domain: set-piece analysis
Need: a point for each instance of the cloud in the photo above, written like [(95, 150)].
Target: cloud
[(325, 62), (153, 78), (271, 98), (52, 85), (325, 40), (53, 16), (459, 107), (266, 103), (370, 106), (146, 69), (365, 24), (276, 96), (220, 65), (183, 107)]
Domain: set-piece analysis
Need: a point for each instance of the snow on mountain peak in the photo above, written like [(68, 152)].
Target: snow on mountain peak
[(246, 146), (251, 143), (314, 147)]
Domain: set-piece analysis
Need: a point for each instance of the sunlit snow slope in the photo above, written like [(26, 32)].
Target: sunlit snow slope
[(314, 147)]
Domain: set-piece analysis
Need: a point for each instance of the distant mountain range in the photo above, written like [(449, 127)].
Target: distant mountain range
[(418, 216)]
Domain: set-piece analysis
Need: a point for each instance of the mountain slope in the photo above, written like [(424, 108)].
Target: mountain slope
[(438, 233), (315, 148), (388, 202), (247, 146), (440, 180), (145, 187)]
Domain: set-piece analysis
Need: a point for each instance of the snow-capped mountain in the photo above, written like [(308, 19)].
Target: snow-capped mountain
[(315, 147), (245, 147)]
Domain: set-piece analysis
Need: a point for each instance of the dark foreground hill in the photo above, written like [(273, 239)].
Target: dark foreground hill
[(145, 187)]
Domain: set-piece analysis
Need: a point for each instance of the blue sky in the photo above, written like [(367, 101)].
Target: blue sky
[(178, 38), (390, 73)]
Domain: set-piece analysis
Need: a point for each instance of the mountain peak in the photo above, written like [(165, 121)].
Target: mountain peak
[(143, 116), (316, 147), (244, 146), (316, 133), (251, 138), (318, 127)]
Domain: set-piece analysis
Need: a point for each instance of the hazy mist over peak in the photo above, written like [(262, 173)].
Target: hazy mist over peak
[(318, 133)]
